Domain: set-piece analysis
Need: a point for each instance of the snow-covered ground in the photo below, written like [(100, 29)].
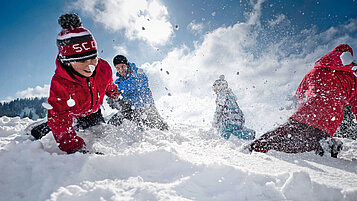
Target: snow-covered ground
[(187, 162)]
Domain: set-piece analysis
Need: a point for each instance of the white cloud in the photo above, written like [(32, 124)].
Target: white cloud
[(121, 50), (38, 91), (140, 19)]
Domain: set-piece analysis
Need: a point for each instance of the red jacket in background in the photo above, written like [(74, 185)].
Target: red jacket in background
[(326, 90), (87, 94)]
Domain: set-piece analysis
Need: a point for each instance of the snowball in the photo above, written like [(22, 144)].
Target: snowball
[(47, 106), (91, 68), (346, 58)]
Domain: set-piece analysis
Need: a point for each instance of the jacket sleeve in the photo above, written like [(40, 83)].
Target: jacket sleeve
[(60, 120), (303, 87), (144, 87), (112, 89)]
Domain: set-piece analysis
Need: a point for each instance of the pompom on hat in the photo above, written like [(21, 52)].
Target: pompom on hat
[(74, 42), (220, 84)]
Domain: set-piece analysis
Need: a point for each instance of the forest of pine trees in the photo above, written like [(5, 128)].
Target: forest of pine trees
[(16, 108)]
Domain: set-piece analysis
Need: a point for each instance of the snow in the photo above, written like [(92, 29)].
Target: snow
[(47, 106), (27, 111), (187, 162)]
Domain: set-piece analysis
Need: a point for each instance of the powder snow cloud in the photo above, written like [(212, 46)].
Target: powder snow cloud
[(263, 70)]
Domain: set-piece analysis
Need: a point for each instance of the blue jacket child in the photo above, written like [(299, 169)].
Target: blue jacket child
[(135, 101), (134, 87), (229, 118)]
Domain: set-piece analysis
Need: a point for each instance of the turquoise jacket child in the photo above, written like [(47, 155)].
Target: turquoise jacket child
[(229, 118)]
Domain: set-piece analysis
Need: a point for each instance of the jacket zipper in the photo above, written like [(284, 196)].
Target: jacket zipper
[(91, 94), (97, 97)]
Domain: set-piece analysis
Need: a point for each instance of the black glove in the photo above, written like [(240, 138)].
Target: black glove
[(113, 103), (119, 104), (125, 106)]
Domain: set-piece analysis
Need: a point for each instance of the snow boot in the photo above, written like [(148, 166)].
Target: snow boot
[(241, 132), (336, 147), (40, 130), (245, 134), (329, 145)]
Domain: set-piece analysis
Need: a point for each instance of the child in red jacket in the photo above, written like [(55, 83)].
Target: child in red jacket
[(323, 94), (78, 87)]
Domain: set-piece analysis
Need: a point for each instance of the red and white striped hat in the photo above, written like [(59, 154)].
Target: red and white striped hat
[(74, 42)]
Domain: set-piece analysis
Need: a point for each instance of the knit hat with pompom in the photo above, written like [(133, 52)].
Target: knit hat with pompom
[(74, 42)]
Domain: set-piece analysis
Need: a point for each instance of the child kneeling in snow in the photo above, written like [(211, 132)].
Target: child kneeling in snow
[(322, 95), (229, 118), (135, 102), (78, 87)]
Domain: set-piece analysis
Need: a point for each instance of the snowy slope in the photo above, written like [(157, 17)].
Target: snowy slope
[(186, 163)]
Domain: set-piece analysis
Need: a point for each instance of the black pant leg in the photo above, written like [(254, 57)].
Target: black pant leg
[(291, 137), (40, 130), (90, 120)]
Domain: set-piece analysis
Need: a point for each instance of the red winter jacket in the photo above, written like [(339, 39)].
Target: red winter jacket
[(88, 95), (326, 90)]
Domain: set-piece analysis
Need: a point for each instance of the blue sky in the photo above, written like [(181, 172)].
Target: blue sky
[(28, 31)]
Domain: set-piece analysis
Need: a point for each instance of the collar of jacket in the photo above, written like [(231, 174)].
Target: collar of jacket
[(78, 78)]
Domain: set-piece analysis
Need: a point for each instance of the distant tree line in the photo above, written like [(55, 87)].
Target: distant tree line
[(24, 107)]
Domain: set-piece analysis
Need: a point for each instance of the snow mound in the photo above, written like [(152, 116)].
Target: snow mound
[(187, 162)]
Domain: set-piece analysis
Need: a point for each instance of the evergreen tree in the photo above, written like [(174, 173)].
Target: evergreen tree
[(30, 115)]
